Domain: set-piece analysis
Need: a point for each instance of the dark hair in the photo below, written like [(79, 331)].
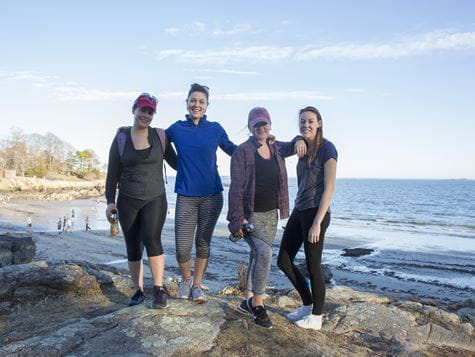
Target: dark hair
[(195, 87), (312, 153)]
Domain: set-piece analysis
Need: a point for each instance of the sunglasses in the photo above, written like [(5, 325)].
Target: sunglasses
[(149, 97)]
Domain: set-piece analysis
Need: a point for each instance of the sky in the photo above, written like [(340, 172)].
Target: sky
[(394, 80)]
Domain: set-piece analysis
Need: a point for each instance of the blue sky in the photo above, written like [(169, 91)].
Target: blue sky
[(394, 80)]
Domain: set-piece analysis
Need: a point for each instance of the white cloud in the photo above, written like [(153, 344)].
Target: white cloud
[(432, 41), (200, 27), (172, 30), (73, 90), (274, 95), (236, 30), (227, 55), (436, 40), (224, 71), (232, 71), (354, 90), (196, 26)]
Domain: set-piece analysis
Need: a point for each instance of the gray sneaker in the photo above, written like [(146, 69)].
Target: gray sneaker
[(184, 289), (197, 295)]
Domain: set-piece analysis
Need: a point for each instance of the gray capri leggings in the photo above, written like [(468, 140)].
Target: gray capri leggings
[(200, 214), (260, 241)]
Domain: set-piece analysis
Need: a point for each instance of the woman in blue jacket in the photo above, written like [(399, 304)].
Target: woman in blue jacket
[(198, 187)]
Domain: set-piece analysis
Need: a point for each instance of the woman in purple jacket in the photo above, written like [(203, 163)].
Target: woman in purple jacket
[(258, 189)]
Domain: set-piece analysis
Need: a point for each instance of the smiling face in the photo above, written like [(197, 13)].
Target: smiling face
[(308, 125), (197, 105), (261, 131), (143, 117)]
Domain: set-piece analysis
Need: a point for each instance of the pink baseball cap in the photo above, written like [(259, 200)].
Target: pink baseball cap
[(146, 100), (258, 115)]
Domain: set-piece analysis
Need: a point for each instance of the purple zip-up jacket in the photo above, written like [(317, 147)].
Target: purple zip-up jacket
[(243, 180)]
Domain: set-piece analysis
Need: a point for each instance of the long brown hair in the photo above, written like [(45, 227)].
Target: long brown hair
[(313, 151)]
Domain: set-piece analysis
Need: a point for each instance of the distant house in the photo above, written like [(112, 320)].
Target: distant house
[(7, 173)]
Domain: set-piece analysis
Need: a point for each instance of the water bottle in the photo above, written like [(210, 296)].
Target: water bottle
[(115, 223), (247, 229)]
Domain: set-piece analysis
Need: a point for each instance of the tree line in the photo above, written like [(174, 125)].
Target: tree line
[(38, 155)]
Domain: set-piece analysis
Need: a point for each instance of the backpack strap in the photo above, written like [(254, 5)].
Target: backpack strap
[(163, 138), (121, 139)]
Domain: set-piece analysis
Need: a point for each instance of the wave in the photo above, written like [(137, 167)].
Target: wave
[(464, 283), (456, 230)]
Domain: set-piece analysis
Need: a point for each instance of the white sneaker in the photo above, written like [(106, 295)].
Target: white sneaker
[(300, 313), (311, 321)]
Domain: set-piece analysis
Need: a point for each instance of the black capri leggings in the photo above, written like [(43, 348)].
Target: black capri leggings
[(296, 233), (142, 223)]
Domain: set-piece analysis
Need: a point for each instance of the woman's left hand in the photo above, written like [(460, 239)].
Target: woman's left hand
[(314, 233), (300, 148)]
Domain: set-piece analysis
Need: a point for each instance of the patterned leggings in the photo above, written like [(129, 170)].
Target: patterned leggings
[(198, 214)]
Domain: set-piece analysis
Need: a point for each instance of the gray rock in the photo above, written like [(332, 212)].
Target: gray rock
[(467, 314), (284, 301), (356, 252), (79, 309), (16, 248), (34, 281), (389, 321), (132, 331)]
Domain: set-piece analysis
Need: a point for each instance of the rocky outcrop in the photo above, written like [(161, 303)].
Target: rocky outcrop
[(28, 188), (16, 248), (78, 308)]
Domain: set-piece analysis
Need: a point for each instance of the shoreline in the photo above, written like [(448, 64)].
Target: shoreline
[(98, 247)]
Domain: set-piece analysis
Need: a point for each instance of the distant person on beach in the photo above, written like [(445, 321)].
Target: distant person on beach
[(198, 187), (28, 222), (316, 175), (64, 223), (72, 218), (59, 225), (258, 193), (68, 224), (136, 164), (88, 228)]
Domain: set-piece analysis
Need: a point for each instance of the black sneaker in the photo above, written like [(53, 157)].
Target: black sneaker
[(160, 294), (138, 298), (260, 316), (244, 306)]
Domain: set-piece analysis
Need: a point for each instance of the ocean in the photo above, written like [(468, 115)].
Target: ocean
[(422, 233)]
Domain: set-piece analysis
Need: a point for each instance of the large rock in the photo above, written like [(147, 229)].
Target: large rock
[(356, 252), (16, 248), (139, 330), (79, 309)]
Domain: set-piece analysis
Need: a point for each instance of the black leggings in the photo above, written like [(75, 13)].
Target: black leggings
[(142, 223), (296, 233)]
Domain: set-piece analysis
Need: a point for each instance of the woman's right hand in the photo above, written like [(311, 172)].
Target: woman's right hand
[(110, 207)]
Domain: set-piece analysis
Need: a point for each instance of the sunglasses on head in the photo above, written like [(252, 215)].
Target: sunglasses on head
[(149, 97)]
